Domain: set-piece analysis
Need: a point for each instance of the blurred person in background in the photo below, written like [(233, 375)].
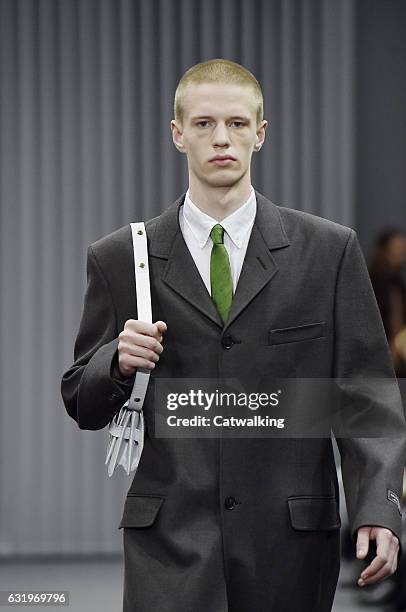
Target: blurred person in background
[(386, 268)]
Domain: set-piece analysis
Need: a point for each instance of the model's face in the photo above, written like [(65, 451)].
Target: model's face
[(220, 120)]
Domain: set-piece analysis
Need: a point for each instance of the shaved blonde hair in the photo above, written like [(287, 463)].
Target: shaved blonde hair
[(218, 71)]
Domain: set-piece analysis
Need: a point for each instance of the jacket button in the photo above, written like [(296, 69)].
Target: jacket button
[(227, 342), (229, 503)]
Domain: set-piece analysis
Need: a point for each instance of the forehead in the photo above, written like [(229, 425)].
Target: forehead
[(209, 99)]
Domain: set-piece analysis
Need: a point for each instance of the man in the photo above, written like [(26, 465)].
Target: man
[(247, 289)]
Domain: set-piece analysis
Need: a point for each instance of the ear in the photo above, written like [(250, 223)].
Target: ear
[(177, 136), (260, 135)]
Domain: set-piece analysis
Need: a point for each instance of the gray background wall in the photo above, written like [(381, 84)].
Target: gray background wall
[(86, 94), (380, 117)]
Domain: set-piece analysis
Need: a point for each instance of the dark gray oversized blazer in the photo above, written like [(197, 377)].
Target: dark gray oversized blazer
[(276, 547)]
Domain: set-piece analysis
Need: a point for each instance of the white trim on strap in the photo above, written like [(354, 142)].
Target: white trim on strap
[(144, 309)]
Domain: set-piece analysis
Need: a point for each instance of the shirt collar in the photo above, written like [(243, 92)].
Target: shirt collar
[(236, 225)]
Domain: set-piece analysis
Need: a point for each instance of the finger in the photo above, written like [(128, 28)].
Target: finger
[(385, 539), (147, 328), (131, 363), (385, 550), (363, 542), (385, 543), (149, 342), (374, 567), (140, 351), (384, 572), (161, 325), (395, 560), (130, 340)]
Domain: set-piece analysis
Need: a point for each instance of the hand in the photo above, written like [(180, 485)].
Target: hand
[(386, 560), (139, 345)]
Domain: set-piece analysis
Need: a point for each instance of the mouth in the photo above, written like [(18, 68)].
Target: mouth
[(223, 160)]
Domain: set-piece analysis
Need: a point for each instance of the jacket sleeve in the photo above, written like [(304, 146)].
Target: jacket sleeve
[(369, 422), (91, 394)]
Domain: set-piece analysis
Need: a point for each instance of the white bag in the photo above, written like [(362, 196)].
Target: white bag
[(126, 429)]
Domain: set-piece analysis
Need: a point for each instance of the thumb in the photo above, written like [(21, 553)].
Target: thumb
[(161, 325), (363, 542)]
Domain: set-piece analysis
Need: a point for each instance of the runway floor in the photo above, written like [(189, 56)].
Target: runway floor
[(96, 585)]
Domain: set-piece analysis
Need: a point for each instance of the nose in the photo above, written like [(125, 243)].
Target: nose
[(220, 136)]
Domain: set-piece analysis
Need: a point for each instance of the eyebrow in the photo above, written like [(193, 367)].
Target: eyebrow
[(209, 117)]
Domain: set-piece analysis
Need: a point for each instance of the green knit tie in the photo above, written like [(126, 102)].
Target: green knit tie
[(220, 273)]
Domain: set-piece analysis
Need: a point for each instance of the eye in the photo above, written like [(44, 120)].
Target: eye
[(239, 123), (201, 122)]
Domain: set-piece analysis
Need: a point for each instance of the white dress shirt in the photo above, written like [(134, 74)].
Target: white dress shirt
[(197, 225)]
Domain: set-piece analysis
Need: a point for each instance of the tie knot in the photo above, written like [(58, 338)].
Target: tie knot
[(217, 234)]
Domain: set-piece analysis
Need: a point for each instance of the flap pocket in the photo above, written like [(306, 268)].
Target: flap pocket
[(313, 513), (310, 331), (141, 510)]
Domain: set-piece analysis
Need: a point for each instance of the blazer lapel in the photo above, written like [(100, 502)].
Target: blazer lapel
[(182, 275), (259, 266)]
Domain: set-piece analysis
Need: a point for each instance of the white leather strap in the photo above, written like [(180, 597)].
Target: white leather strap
[(144, 309), (126, 430)]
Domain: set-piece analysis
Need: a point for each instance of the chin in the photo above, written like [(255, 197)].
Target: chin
[(222, 182), (223, 179)]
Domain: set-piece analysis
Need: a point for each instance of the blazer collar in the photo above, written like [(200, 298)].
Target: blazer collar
[(237, 224), (268, 221), (181, 274)]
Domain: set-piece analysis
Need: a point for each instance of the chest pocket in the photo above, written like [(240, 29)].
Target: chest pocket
[(284, 335)]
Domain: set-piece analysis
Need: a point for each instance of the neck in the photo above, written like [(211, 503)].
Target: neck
[(219, 202)]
